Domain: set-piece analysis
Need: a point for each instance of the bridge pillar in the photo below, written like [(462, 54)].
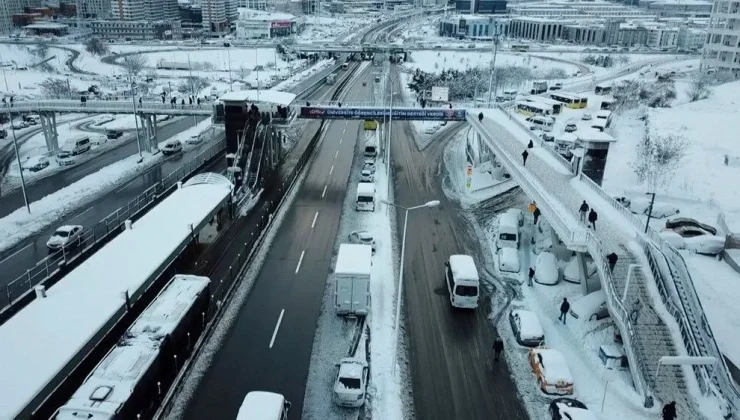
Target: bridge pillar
[(48, 126), (582, 271), (154, 131)]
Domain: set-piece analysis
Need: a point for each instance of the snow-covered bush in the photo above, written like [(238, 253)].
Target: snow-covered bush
[(631, 93), (657, 159)]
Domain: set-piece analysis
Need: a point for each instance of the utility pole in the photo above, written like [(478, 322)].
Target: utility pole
[(650, 212), (20, 167), (494, 41)]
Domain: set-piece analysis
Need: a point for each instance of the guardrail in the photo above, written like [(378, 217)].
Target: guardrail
[(694, 339), (584, 239), (96, 106), (105, 230)]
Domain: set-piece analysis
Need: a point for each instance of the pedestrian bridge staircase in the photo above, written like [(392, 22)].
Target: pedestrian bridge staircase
[(549, 182)]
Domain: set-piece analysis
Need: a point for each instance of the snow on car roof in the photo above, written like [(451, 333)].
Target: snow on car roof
[(261, 405), (354, 259), (553, 366), (463, 267), (530, 326), (365, 188), (577, 413), (350, 369), (66, 228), (80, 305), (260, 96)]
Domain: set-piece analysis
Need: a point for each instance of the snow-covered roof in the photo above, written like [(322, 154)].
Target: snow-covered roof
[(365, 188), (529, 325), (463, 267), (595, 136), (554, 368), (84, 301), (259, 96), (261, 405), (354, 259), (350, 370)]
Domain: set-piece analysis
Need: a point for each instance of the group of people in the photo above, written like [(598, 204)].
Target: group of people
[(592, 216)]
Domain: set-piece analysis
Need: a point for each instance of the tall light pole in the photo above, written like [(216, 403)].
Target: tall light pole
[(136, 116), (20, 167), (494, 41), (4, 77), (428, 204)]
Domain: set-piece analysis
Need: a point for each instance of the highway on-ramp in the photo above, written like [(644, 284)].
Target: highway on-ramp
[(450, 351), (269, 345)]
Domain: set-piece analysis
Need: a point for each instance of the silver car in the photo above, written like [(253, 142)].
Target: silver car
[(65, 237), (363, 238)]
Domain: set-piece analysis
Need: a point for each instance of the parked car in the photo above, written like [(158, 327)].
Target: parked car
[(369, 166), (65, 237), (471, 46), (36, 163), (19, 125), (556, 86), (351, 383), (366, 175), (548, 137), (526, 327), (65, 158), (98, 140), (194, 140), (586, 117), (546, 269), (569, 408), (570, 127), (172, 147), (363, 238), (551, 370), (3, 134), (508, 260)]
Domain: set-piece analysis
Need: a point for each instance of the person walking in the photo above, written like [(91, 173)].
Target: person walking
[(182, 103), (530, 144), (139, 100), (536, 213), (669, 411), (531, 277), (198, 102), (592, 217), (498, 347), (582, 211), (162, 98), (612, 259), (480, 116), (525, 155), (190, 100), (564, 308)]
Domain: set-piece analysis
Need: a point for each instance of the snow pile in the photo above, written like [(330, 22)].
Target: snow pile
[(436, 61), (292, 81), (324, 28)]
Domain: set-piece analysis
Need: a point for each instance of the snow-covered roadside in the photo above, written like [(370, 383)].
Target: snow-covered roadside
[(291, 82), (20, 224)]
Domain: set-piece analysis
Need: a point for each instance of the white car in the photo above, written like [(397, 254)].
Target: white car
[(194, 140), (508, 260), (526, 327), (172, 147), (369, 167), (551, 370), (366, 175), (546, 269), (349, 388), (65, 158), (570, 127), (36, 163), (64, 237), (18, 125), (586, 117), (363, 238)]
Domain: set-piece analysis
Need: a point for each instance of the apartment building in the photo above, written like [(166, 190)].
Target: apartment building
[(722, 47)]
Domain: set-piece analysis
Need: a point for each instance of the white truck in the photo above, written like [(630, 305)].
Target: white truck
[(365, 196), (371, 144), (538, 87), (352, 279)]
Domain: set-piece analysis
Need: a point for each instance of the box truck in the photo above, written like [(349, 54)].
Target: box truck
[(352, 279)]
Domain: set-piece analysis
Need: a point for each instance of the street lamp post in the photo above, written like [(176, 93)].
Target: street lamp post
[(20, 167), (136, 121), (433, 203), (494, 41)]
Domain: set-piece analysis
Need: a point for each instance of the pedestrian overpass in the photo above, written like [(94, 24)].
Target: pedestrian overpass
[(108, 107)]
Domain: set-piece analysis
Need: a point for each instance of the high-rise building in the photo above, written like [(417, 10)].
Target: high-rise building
[(150, 10), (7, 9), (214, 15), (93, 8), (722, 47), (480, 6)]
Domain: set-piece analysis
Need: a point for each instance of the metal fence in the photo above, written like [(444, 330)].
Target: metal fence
[(108, 227)]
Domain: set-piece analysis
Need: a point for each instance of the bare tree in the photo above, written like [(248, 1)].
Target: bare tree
[(96, 46), (658, 158), (243, 72), (134, 64), (56, 88), (699, 88), (193, 84)]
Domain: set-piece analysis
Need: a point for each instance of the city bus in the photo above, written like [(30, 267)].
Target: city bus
[(532, 108), (603, 89), (555, 105), (520, 47), (570, 100)]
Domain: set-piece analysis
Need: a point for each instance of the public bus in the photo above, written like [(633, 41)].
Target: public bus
[(520, 47), (532, 108), (570, 100), (603, 89), (556, 106)]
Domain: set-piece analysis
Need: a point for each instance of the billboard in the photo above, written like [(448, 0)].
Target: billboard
[(440, 94), (280, 24), (419, 114)]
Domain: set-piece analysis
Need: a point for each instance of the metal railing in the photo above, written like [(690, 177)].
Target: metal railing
[(698, 341), (103, 107), (581, 238), (108, 227)]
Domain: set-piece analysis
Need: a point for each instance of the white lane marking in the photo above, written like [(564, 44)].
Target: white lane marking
[(300, 261), (315, 216), (336, 154), (346, 122), (277, 327), (340, 140), (344, 131), (16, 252), (323, 193), (331, 169)]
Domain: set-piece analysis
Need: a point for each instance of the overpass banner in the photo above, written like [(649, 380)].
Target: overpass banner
[(419, 114)]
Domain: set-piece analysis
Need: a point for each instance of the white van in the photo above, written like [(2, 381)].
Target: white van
[(262, 405), (462, 281), (371, 148), (509, 95), (79, 145), (365, 196), (541, 123), (508, 231)]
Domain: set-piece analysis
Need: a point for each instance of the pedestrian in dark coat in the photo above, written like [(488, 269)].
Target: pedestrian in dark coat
[(530, 144), (536, 213), (498, 347), (198, 102), (592, 216), (531, 276), (525, 155), (182, 103), (582, 211), (139, 101), (190, 100), (669, 411), (480, 116), (564, 308), (162, 98), (612, 259)]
